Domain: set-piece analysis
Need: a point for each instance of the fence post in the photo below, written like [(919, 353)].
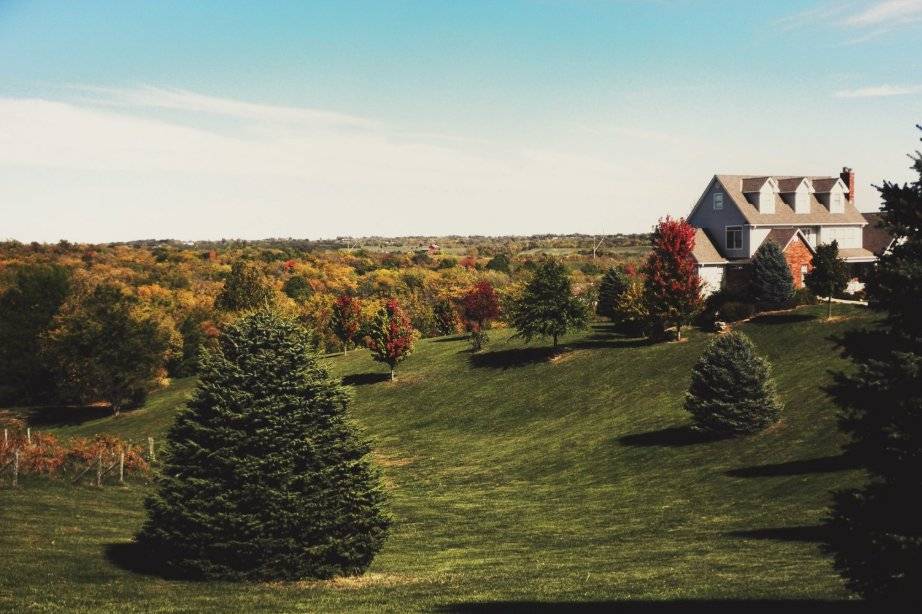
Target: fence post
[(121, 468), (15, 467), (99, 470), (150, 445)]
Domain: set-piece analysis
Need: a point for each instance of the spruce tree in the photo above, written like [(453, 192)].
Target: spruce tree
[(732, 390), (612, 286), (829, 275), (547, 307), (264, 477), (876, 531), (772, 283)]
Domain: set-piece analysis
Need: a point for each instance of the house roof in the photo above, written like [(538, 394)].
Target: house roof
[(824, 184), (856, 254), (875, 238), (754, 184), (784, 213), (705, 252), (789, 184), (784, 236)]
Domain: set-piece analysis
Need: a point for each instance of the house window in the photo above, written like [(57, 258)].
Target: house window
[(734, 237), (718, 201)]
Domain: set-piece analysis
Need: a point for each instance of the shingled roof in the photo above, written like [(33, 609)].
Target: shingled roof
[(705, 252), (875, 238), (784, 213), (783, 236)]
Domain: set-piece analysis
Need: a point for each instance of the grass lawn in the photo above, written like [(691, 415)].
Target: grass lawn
[(511, 478)]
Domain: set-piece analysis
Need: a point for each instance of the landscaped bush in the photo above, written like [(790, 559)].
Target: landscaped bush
[(732, 390), (804, 296), (264, 476), (734, 311), (772, 285)]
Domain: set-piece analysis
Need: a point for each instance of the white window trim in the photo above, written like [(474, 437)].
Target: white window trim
[(718, 201), (727, 230)]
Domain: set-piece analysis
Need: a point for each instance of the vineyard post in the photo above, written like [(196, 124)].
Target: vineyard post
[(99, 470), (15, 467), (150, 445), (121, 468)]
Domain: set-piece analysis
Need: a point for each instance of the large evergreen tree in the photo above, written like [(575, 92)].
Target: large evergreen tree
[(547, 306), (876, 531), (672, 286), (613, 284), (772, 283), (829, 275), (264, 477), (732, 390)]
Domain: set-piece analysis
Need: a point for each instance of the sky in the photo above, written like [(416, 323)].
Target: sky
[(124, 120)]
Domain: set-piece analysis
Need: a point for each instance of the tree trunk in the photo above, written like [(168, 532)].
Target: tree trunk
[(555, 339), (345, 349), (678, 332), (116, 410), (393, 375), (829, 303)]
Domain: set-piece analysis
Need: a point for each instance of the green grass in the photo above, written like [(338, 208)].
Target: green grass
[(511, 478)]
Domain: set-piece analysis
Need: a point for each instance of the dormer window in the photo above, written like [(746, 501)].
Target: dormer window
[(718, 201)]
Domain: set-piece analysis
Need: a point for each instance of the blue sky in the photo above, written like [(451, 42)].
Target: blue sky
[(123, 120)]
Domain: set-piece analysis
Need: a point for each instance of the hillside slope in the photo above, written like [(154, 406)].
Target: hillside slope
[(512, 478)]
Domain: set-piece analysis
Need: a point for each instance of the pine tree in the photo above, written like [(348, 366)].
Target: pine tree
[(547, 307), (264, 477), (672, 286), (829, 275), (732, 390), (612, 286), (876, 531), (772, 283)]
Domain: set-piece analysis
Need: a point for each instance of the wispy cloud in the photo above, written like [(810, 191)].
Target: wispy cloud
[(885, 12), (879, 91)]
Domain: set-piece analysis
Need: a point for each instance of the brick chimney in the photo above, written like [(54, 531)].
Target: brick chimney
[(848, 178)]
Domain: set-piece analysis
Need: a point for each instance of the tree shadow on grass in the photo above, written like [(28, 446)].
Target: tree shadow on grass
[(824, 464), (782, 318), (806, 533), (610, 341), (452, 338), (363, 379), (675, 436), (135, 558), (518, 357), (67, 415), (678, 605)]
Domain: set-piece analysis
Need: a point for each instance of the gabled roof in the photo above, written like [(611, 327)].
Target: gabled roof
[(856, 254), (784, 236), (705, 252), (754, 184), (786, 185), (875, 238), (784, 213), (824, 185)]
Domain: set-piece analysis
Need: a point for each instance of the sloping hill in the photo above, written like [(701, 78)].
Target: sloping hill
[(513, 477)]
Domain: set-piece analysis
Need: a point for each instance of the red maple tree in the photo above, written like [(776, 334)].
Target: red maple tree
[(480, 304), (391, 335), (346, 320), (672, 286)]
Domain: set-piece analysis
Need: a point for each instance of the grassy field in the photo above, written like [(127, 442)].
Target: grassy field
[(512, 478)]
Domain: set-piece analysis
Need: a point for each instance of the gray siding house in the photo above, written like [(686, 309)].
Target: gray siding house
[(737, 213)]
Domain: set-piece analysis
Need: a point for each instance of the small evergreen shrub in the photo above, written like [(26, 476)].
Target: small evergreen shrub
[(264, 477), (772, 285), (734, 311), (804, 296), (732, 390)]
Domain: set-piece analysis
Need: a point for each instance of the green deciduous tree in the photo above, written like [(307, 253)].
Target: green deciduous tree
[(732, 390), (26, 311), (246, 288), (829, 275), (546, 306), (106, 347), (264, 477), (772, 284), (298, 288), (876, 531)]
